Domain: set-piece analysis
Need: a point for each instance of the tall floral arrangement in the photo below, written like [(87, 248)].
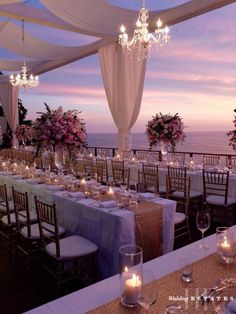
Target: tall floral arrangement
[(232, 134), (56, 129), (24, 134), (165, 128)]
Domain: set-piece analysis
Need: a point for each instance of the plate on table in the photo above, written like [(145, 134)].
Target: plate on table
[(223, 299)]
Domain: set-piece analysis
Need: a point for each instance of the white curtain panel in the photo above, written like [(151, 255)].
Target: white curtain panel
[(123, 79), (9, 102)]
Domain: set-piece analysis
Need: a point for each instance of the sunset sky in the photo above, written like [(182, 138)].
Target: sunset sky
[(195, 75)]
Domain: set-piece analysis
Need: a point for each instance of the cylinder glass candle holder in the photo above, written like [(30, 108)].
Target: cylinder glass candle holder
[(131, 274)]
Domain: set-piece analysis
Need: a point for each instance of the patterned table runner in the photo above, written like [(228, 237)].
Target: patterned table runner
[(172, 290)]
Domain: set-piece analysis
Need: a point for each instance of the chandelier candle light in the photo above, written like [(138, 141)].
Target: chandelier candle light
[(142, 39), (22, 79)]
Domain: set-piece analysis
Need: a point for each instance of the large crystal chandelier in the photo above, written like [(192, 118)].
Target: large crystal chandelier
[(142, 39), (22, 79)]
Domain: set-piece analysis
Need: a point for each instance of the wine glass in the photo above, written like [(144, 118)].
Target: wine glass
[(203, 224)]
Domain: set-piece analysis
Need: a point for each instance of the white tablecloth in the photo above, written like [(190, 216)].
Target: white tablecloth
[(107, 290), (109, 230)]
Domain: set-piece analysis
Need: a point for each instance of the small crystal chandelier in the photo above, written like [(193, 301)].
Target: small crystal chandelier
[(142, 39), (21, 79)]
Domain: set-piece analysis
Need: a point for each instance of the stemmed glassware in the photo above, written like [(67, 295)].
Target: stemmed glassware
[(203, 224)]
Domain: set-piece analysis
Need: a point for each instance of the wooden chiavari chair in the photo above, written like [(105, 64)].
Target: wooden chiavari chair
[(211, 160), (215, 186), (231, 162), (178, 189), (121, 177), (178, 158), (60, 250), (88, 165), (102, 170), (141, 155), (8, 220), (148, 182), (26, 224)]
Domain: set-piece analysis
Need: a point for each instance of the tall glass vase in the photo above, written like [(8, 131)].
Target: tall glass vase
[(164, 150), (59, 159)]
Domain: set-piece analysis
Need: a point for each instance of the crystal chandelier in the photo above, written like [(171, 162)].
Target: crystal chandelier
[(142, 39), (22, 79)]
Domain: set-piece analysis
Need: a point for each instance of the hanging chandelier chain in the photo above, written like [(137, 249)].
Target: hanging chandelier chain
[(22, 79), (23, 39)]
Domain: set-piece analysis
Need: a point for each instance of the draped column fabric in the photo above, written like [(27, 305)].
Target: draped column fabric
[(9, 102), (123, 79)]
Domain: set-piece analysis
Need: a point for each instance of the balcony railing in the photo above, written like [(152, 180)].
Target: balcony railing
[(225, 159)]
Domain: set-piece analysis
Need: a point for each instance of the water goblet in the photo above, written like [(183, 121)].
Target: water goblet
[(203, 224)]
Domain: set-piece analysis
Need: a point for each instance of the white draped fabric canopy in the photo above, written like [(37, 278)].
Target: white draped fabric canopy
[(100, 20), (9, 102)]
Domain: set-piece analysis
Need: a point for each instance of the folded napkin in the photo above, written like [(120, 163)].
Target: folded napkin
[(17, 176), (33, 181), (74, 194), (107, 204), (54, 187), (231, 307), (146, 196), (6, 173)]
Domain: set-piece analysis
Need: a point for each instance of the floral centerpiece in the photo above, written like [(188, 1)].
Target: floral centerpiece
[(165, 128), (232, 134), (24, 134), (56, 129)]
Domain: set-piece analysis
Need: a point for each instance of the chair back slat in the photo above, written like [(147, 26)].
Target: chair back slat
[(177, 172), (150, 169), (209, 160), (102, 169), (21, 209), (4, 202), (148, 182), (47, 216), (216, 183), (88, 165)]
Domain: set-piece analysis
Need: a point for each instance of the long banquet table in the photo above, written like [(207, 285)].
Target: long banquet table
[(108, 229), (107, 290)]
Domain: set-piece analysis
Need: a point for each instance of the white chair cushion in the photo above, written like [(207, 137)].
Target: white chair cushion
[(219, 200), (72, 247), (193, 194), (35, 234), (179, 217), (33, 218), (3, 207)]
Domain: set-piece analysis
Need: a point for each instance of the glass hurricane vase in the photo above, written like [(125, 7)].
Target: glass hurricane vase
[(164, 150), (59, 159)]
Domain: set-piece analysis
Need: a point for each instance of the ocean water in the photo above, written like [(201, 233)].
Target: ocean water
[(199, 142)]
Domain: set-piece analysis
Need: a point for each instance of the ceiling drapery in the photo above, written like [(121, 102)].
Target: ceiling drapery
[(97, 18)]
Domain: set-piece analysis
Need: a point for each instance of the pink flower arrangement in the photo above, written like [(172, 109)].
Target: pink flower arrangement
[(165, 128), (24, 134), (232, 134), (57, 129)]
